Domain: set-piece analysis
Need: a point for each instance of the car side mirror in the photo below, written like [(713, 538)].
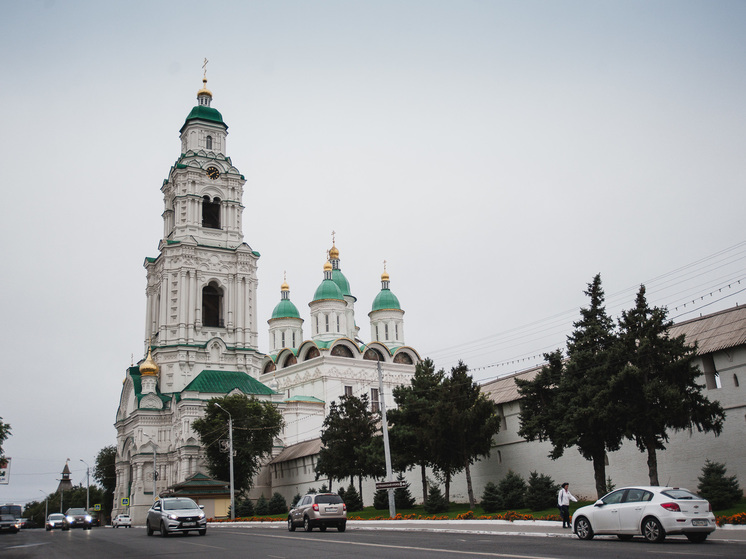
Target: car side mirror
[(202, 506), (598, 503)]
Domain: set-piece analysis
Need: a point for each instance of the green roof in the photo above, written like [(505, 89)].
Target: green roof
[(385, 300), (339, 278), (328, 290), (285, 309), (311, 399), (202, 112), (223, 382)]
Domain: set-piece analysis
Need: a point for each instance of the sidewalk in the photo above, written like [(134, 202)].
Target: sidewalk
[(535, 528)]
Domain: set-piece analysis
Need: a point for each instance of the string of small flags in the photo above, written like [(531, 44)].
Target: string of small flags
[(711, 294)]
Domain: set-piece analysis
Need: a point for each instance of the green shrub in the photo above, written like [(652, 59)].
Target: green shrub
[(512, 489), (295, 500), (277, 504), (491, 499), (262, 506), (542, 492), (352, 499), (381, 500), (244, 508), (436, 501), (722, 491)]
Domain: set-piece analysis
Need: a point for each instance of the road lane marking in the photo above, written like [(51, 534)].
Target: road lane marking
[(410, 548)]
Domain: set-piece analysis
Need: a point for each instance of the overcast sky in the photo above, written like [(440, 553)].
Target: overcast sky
[(496, 154)]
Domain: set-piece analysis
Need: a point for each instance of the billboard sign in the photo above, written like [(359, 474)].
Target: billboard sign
[(4, 471)]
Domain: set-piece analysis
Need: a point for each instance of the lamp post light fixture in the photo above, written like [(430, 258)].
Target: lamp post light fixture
[(87, 486), (230, 457)]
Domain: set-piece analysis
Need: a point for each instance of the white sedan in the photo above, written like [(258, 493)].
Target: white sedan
[(653, 512), (122, 520)]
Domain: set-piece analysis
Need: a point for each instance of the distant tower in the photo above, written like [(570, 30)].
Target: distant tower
[(286, 325), (65, 483), (387, 316)]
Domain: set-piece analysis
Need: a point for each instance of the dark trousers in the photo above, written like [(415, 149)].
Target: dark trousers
[(565, 514)]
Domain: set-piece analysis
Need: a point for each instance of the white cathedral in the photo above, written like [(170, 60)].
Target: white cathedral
[(201, 338)]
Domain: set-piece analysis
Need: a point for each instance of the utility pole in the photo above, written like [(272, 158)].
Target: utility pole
[(230, 457), (386, 447)]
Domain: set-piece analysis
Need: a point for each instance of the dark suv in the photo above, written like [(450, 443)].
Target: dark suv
[(318, 509), (78, 518)]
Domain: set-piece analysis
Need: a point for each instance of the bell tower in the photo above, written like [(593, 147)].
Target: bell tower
[(201, 291)]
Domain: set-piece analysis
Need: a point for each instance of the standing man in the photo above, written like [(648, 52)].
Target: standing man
[(563, 502)]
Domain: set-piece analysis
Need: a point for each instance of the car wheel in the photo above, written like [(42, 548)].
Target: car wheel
[(583, 528), (696, 537), (291, 526), (203, 532), (652, 530), (341, 526), (148, 529), (307, 524), (624, 537), (164, 532), (322, 528)]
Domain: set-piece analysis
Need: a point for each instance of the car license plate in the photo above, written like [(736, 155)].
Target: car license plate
[(699, 522), (331, 509), (188, 523)]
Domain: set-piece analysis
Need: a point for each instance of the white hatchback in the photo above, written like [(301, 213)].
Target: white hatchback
[(652, 512)]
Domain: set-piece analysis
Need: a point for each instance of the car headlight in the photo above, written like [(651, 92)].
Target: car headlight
[(69, 519), (173, 517), (201, 515), (88, 518)]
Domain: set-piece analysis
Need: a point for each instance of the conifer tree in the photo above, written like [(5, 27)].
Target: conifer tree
[(491, 499), (411, 423), (658, 383), (578, 406), (720, 490)]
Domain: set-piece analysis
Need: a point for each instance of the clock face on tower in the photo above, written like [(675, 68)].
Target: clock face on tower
[(213, 173)]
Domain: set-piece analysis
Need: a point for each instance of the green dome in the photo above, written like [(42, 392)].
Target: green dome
[(328, 290), (202, 112), (385, 300), (285, 309), (339, 278)]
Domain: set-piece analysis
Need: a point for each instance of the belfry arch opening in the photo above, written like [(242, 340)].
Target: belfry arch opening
[(212, 305), (211, 212)]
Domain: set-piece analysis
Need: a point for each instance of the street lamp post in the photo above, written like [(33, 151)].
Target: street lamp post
[(46, 505), (230, 457), (87, 486)]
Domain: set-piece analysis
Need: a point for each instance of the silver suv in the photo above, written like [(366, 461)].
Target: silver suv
[(176, 514), (318, 509)]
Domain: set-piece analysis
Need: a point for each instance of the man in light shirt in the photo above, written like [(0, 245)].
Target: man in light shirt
[(563, 502)]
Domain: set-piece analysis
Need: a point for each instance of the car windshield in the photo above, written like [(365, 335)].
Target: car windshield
[(7, 517), (178, 504), (329, 499), (76, 511), (680, 494), (56, 516)]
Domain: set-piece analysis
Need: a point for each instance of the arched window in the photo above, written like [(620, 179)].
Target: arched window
[(283, 339), (327, 322), (386, 331), (403, 358), (312, 353), (208, 142), (341, 351), (212, 305), (372, 355), (337, 323), (211, 213)]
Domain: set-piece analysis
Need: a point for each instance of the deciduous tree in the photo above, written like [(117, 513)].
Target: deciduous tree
[(255, 426)]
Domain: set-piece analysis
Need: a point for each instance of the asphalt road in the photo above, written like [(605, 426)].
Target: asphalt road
[(362, 540)]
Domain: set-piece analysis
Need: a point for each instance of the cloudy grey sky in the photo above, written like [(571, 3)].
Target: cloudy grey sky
[(497, 154)]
